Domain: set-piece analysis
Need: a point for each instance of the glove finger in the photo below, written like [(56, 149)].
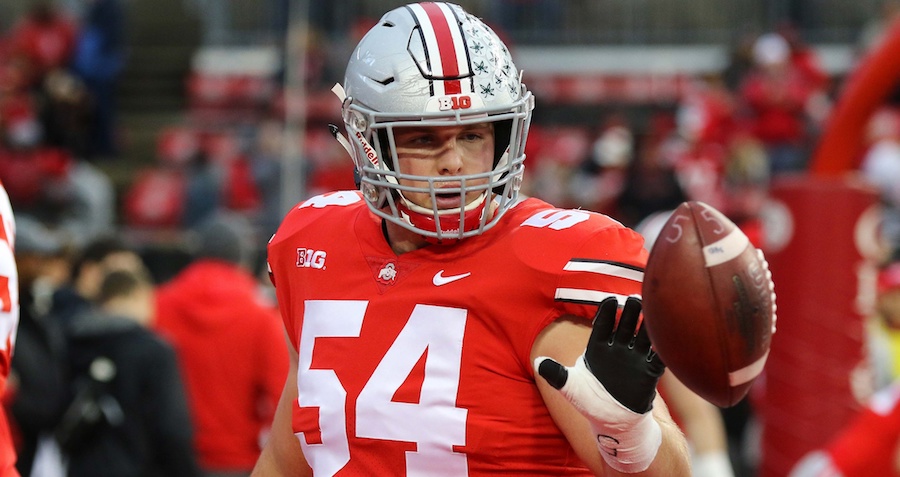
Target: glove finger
[(629, 322), (640, 340), (554, 373), (604, 323)]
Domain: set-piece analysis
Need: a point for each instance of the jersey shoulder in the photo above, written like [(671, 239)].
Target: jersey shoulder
[(573, 233), (576, 258), (322, 212)]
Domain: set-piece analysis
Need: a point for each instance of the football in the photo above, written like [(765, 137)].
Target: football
[(708, 303)]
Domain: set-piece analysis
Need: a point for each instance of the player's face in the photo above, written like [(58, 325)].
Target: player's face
[(446, 152)]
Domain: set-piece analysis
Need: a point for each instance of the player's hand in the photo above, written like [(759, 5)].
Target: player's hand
[(613, 384), (617, 356)]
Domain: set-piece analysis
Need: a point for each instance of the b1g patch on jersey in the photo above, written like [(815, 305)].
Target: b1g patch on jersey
[(454, 102), (309, 258)]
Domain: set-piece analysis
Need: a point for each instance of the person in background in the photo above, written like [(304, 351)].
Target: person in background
[(65, 113), (98, 60), (45, 38), (884, 329), (777, 95), (9, 322), (91, 264), (880, 165), (599, 180), (230, 346), (35, 391), (128, 415), (868, 446)]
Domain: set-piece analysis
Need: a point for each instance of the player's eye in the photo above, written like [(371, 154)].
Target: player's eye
[(415, 140)]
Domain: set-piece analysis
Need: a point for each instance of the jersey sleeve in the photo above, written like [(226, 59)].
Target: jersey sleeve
[(276, 261), (570, 261), (9, 321), (9, 287), (610, 263)]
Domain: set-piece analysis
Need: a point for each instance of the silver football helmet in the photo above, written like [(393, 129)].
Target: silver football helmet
[(434, 64)]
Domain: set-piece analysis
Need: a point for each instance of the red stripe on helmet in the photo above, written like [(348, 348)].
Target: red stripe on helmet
[(446, 47)]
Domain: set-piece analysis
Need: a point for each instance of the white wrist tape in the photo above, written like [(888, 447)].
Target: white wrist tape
[(628, 441)]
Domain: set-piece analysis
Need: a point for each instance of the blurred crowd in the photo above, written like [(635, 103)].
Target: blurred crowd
[(215, 192), (117, 375), (727, 137), (57, 116)]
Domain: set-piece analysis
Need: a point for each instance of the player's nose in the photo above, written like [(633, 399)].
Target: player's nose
[(450, 160)]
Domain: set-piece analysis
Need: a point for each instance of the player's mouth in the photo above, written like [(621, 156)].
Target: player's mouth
[(448, 200)]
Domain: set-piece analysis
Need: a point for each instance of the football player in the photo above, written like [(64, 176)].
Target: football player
[(441, 324), (866, 446), (9, 322)]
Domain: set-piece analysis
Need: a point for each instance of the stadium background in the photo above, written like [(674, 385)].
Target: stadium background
[(650, 39)]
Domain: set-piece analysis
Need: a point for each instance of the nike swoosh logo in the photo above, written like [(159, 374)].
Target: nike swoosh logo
[(439, 278)]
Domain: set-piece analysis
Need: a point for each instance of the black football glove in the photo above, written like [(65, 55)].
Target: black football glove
[(620, 359), (613, 384)]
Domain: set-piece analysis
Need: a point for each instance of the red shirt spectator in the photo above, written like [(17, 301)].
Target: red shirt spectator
[(777, 104), (868, 446), (803, 57), (230, 347), (776, 93), (707, 113), (46, 37)]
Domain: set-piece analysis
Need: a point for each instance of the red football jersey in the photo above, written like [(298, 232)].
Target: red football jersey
[(9, 322), (419, 364), (868, 446)]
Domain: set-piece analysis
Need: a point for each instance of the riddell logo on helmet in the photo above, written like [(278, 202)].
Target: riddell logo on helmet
[(368, 150), (309, 258)]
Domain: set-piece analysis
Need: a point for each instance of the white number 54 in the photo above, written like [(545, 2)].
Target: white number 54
[(435, 424)]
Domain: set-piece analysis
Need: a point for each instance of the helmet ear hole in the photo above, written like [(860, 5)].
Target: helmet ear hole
[(502, 132), (384, 148)]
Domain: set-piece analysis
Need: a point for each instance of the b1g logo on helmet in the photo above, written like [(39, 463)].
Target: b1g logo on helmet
[(309, 258), (446, 103), (454, 102)]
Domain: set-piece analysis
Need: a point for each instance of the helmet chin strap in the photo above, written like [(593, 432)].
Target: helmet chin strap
[(448, 221)]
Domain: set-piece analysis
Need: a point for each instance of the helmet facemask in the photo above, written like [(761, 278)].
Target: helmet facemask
[(483, 93)]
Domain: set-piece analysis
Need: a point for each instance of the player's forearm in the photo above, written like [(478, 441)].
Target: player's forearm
[(672, 459)]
